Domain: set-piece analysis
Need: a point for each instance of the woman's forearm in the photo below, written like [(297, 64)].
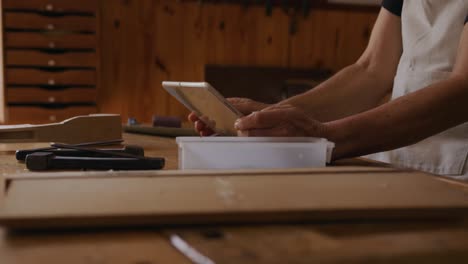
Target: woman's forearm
[(352, 90), (363, 85), (403, 121)]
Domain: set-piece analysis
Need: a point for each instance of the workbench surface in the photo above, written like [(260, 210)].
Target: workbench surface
[(323, 242)]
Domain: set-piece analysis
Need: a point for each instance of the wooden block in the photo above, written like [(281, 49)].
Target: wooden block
[(131, 198), (75, 130)]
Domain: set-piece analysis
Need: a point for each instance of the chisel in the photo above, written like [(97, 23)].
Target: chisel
[(134, 150), (48, 161)]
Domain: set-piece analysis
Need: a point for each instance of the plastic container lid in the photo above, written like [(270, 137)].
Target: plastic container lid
[(253, 152)]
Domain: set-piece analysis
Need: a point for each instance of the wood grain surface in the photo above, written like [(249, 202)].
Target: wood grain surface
[(79, 129), (362, 241), (148, 41), (155, 199)]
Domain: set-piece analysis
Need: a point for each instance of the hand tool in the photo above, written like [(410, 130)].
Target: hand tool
[(48, 161), (21, 154), (98, 151), (135, 150)]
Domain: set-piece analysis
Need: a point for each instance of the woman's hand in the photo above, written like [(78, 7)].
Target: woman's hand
[(280, 120), (244, 105)]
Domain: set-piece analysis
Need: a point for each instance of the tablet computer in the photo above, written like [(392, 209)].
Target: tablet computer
[(207, 103)]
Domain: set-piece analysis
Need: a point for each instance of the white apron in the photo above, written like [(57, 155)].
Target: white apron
[(431, 33)]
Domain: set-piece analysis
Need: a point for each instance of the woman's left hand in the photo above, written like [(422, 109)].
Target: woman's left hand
[(280, 120)]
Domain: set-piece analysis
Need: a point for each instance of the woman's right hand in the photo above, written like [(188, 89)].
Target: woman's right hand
[(244, 105)]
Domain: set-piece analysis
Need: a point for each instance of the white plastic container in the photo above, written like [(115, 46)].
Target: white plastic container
[(253, 152)]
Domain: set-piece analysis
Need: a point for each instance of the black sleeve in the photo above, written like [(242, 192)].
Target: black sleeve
[(394, 6)]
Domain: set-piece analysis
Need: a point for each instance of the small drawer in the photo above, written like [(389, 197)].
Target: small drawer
[(33, 58), (32, 77), (40, 115), (32, 21), (50, 41), (17, 95), (53, 6)]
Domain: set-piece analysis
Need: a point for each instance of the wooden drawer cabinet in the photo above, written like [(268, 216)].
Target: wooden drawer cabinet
[(51, 59), (39, 77), (37, 22), (40, 115), (32, 58), (38, 95), (50, 40), (52, 6)]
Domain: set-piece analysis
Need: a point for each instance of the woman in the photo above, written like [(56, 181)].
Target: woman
[(418, 50)]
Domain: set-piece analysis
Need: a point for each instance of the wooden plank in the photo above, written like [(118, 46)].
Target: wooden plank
[(331, 39), (39, 95), (272, 37), (354, 36), (243, 198), (74, 130), (111, 92), (49, 41), (40, 77), (332, 242), (169, 43), (139, 68), (117, 247), (208, 173), (98, 52), (32, 21)]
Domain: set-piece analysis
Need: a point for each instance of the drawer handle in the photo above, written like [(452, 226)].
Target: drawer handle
[(51, 63), (49, 7), (50, 26), (51, 82), (52, 45), (52, 118), (51, 99)]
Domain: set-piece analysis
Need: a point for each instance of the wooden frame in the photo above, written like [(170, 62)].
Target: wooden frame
[(214, 197)]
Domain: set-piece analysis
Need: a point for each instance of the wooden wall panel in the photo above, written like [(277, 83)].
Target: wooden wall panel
[(331, 39), (145, 42), (2, 80)]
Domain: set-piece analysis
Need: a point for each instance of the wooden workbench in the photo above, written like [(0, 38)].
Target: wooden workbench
[(325, 242)]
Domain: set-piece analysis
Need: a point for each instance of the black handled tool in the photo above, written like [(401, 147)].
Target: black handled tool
[(99, 151), (134, 150), (21, 154), (41, 161)]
